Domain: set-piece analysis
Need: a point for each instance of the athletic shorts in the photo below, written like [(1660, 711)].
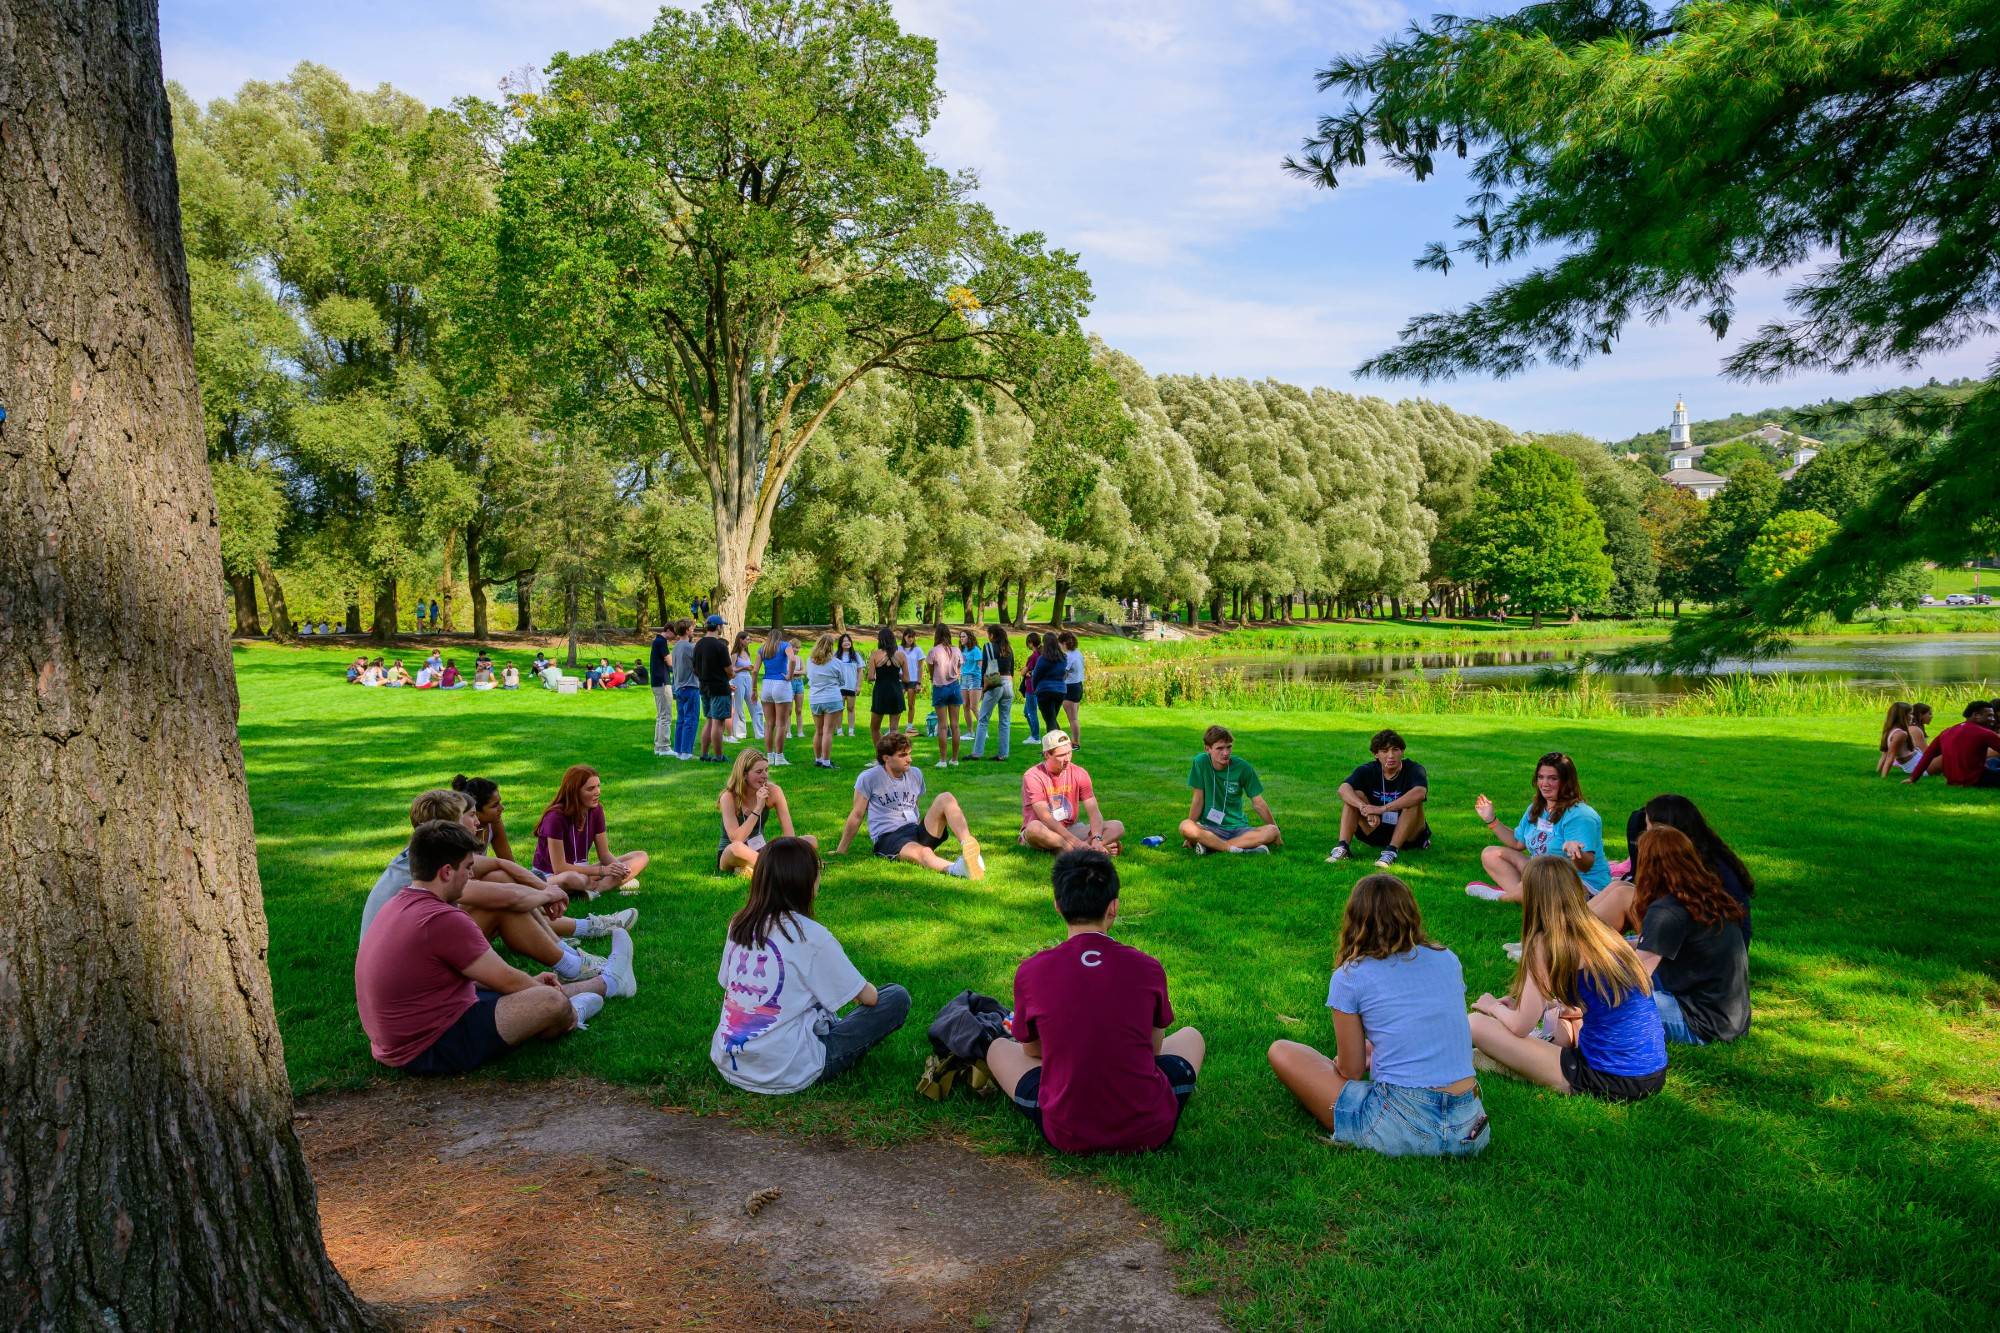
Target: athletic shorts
[(1181, 1074), (717, 707), (947, 696), (1074, 693), (1608, 1087), (467, 1044), (896, 839), (1380, 835)]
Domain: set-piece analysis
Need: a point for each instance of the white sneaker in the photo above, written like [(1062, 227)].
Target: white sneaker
[(975, 861), (1485, 892), (779, 761), (685, 756), (1513, 950), (590, 966), (595, 927), (1339, 853), (1201, 849), (620, 982)]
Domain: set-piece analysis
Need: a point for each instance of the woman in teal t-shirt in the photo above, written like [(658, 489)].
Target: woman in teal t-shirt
[(1556, 823)]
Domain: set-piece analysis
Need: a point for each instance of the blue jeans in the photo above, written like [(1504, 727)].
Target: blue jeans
[(1000, 697), (848, 1039), (1034, 718), (687, 717), (1410, 1122), (1672, 1019)]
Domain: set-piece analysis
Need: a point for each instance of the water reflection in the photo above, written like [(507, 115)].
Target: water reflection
[(1882, 664)]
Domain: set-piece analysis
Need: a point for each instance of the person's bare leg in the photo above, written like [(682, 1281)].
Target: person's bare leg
[(1195, 832), (1530, 1058), (1008, 1062), (1075, 731), (1045, 839), (633, 862), (1351, 822), (1113, 833), (538, 1011), (1308, 1076), (526, 933), (774, 731), (739, 858), (1264, 835), (1614, 906), (1187, 1043), (875, 729), (956, 716), (1410, 828), (946, 814), (1504, 867), (922, 856)]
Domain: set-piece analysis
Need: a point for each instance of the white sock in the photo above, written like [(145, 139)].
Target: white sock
[(569, 964), (957, 868), (586, 1005), (588, 928)]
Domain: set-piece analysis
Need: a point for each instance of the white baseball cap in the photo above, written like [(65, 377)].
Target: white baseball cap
[(1051, 739)]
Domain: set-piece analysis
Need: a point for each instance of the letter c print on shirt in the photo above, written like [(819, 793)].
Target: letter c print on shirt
[(1092, 958)]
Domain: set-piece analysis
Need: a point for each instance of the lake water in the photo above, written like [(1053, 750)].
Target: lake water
[(1873, 663)]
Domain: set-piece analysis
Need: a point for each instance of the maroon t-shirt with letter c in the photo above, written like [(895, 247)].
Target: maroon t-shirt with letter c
[(1093, 1004)]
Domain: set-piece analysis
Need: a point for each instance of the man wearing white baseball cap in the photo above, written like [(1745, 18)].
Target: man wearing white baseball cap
[(1058, 806)]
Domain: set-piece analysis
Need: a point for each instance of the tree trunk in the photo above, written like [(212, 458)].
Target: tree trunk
[(445, 620), (639, 608), (475, 582), (1021, 604), (149, 1173), (385, 610), (244, 588), (999, 602), (570, 612), (1060, 610), (524, 589), (777, 612), (971, 617), (353, 620), (660, 597), (282, 629), (839, 617), (597, 597), (1537, 622)]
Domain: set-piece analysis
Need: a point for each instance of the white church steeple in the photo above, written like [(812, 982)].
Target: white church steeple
[(1677, 434)]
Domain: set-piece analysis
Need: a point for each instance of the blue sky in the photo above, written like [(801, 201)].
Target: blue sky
[(1144, 134)]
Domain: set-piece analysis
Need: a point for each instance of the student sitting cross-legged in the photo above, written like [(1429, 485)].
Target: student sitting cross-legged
[(784, 981), (889, 794), (1690, 940), (435, 998), (1401, 1080), (1600, 1032), (1382, 802), (1092, 1063), (1059, 806), (1220, 782)]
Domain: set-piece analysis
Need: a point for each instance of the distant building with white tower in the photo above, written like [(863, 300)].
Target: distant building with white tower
[(1684, 455)]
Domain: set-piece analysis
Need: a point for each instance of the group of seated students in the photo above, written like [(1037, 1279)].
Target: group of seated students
[(434, 997), (609, 675), (437, 673), (307, 627), (1615, 962), (1967, 753)]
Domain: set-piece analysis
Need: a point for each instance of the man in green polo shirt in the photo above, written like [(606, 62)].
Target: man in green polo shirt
[(1219, 783)]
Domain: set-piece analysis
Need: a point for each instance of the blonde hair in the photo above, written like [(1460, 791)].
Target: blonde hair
[(739, 772), (1563, 939), (439, 803), (823, 650)]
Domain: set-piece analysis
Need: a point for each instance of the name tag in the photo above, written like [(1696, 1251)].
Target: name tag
[(1215, 817), (1391, 816)]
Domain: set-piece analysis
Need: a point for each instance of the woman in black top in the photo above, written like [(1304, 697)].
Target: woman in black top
[(1678, 812), (885, 669), (998, 668)]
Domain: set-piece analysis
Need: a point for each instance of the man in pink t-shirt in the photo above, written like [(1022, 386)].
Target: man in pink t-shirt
[(1092, 1063), (1058, 805), (434, 997)]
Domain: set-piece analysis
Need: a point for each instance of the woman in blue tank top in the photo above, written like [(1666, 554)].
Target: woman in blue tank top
[(1600, 1032), (774, 662)]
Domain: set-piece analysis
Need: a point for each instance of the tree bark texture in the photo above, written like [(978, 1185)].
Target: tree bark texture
[(475, 582), (244, 589), (353, 620), (1058, 614), (282, 629), (524, 588), (385, 610), (149, 1175)]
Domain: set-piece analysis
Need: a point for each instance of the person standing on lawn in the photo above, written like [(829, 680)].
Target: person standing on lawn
[(888, 794), (1027, 690), (1401, 1080), (971, 675), (913, 672), (885, 691), (712, 677), (947, 696), (433, 996), (774, 665), (687, 692), (1964, 750), (1556, 822), (1220, 783), (850, 680), (997, 696), (824, 676), (659, 670), (1059, 807), (1073, 686), (1091, 1063), (1383, 802)]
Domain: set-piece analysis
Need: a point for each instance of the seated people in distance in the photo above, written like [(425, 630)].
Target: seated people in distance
[(1556, 822), (510, 677), (356, 669), (482, 676), (1690, 940), (1961, 751), (1905, 734), (1401, 1079), (508, 902), (435, 998), (1601, 1033), (1220, 782), (449, 679), (541, 662), (1091, 1062), (889, 793), (398, 677), (1059, 807), (784, 981), (1614, 905), (747, 800), (1383, 802), (573, 826)]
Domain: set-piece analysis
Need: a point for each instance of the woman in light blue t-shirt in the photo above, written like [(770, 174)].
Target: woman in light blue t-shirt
[(1401, 1082), (1556, 823)]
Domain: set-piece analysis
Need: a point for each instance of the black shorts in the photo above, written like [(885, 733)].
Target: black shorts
[(896, 839), (1608, 1087), (467, 1044), (1180, 1074), (1380, 835), (1074, 693)]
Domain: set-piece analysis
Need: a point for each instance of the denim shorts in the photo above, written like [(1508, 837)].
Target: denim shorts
[(1672, 1018), (1410, 1122), (717, 707), (947, 696)]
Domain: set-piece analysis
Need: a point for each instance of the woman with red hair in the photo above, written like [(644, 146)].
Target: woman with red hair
[(573, 826), (1690, 940)]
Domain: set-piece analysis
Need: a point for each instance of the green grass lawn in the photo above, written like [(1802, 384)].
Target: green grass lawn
[(1840, 1166)]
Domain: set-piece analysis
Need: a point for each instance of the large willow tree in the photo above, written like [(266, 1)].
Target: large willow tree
[(1655, 157), (729, 221)]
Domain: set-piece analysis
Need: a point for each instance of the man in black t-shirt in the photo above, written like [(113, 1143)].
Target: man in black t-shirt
[(711, 673), (1383, 802)]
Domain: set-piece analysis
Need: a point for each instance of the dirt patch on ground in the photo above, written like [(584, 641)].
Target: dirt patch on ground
[(477, 1205)]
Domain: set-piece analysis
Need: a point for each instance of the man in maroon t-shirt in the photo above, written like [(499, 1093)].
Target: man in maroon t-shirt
[(1965, 748), (434, 997), (1092, 1063)]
